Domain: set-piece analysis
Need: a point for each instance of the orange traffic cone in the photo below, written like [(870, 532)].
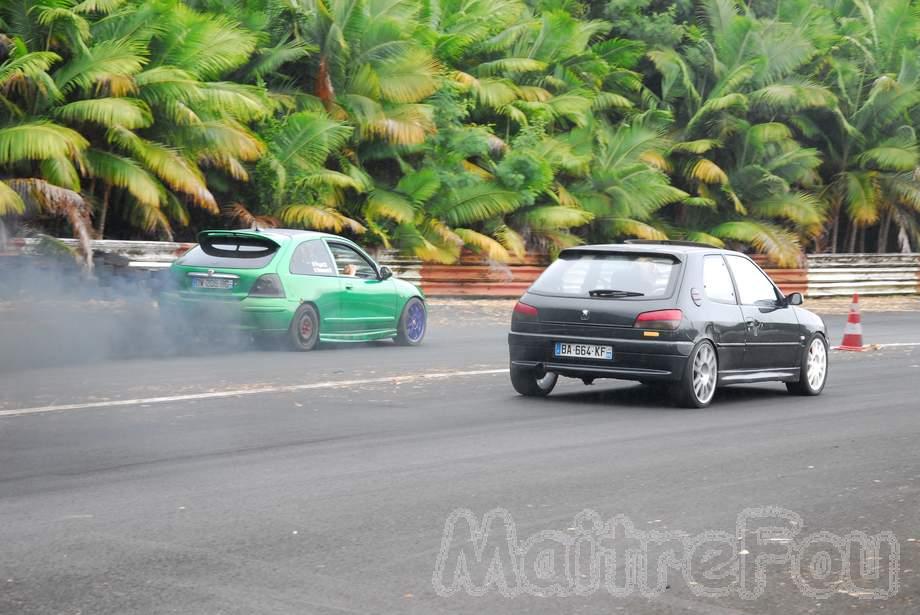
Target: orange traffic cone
[(852, 334)]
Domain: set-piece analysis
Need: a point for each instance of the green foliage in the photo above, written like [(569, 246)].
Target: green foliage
[(492, 125)]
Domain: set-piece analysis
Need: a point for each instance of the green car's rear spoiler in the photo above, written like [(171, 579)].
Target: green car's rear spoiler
[(236, 244)]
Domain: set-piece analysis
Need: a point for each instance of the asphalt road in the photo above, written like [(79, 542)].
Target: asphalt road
[(271, 482)]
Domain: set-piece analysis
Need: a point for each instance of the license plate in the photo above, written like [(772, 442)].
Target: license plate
[(583, 351), (222, 283)]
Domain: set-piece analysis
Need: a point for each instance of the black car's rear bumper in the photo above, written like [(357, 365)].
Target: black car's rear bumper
[(632, 359)]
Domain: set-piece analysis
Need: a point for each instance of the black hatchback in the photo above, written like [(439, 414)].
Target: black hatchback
[(688, 316)]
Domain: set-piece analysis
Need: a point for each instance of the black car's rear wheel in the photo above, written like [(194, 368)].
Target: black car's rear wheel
[(813, 372), (697, 387), (303, 333), (532, 383)]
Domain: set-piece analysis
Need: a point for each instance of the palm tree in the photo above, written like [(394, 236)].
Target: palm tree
[(36, 153), (735, 96), (136, 81), (626, 187), (871, 145)]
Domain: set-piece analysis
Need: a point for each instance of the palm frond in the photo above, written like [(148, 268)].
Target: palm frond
[(801, 208), (554, 217), (126, 112), (512, 241), (483, 244), (124, 173), (777, 243), (239, 213), (479, 202), (61, 202), (390, 205), (306, 139), (169, 165), (106, 60), (26, 66), (319, 218), (862, 196), (707, 171), (420, 185), (61, 172), (39, 140), (10, 201)]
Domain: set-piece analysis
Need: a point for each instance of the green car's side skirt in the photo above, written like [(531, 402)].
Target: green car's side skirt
[(363, 336)]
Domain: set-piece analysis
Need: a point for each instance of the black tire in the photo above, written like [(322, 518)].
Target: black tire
[(530, 383), (303, 334), (406, 332), (805, 385), (685, 393)]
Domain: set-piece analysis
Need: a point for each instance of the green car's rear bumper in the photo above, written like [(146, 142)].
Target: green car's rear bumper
[(248, 314)]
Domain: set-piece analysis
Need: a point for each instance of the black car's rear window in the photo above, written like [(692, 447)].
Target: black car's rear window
[(578, 273), (230, 253)]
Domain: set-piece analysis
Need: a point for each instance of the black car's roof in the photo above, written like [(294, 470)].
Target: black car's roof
[(651, 248)]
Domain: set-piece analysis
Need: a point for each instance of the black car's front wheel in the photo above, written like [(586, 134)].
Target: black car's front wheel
[(303, 333), (813, 372), (697, 387), (532, 383)]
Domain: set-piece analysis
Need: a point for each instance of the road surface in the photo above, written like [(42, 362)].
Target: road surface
[(344, 481)]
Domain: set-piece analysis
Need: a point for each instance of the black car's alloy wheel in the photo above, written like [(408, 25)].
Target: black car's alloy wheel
[(532, 383), (304, 331), (813, 372), (698, 385)]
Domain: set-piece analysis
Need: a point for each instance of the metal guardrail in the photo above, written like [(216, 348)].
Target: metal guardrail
[(835, 275), (824, 275), (135, 254)]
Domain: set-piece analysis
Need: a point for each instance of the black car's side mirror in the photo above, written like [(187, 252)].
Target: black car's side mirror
[(386, 273), (794, 299)]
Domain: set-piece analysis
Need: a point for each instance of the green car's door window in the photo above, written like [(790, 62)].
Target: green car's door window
[(350, 263), (312, 258), (368, 305)]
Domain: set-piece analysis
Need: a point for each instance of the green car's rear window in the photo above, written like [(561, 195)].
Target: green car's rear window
[(256, 257)]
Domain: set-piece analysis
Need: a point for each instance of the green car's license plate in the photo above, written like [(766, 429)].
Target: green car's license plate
[(583, 351), (221, 283)]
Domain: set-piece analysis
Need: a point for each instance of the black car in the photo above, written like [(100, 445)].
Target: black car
[(689, 316)]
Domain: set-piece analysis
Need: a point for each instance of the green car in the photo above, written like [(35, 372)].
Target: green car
[(302, 285)]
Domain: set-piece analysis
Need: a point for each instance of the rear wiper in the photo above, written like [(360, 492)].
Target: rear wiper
[(612, 292)]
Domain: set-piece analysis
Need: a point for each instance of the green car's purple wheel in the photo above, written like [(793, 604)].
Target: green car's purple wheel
[(304, 330), (413, 323)]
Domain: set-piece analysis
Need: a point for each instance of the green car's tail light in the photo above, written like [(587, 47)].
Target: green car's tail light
[(659, 319), (522, 309), (268, 285)]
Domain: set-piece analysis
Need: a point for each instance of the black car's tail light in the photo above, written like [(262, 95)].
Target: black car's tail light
[(268, 285), (659, 319), (522, 309)]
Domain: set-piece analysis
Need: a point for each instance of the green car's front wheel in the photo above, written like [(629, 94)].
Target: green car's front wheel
[(304, 330), (413, 323)]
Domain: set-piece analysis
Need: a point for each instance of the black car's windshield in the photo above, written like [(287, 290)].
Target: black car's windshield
[(609, 275)]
